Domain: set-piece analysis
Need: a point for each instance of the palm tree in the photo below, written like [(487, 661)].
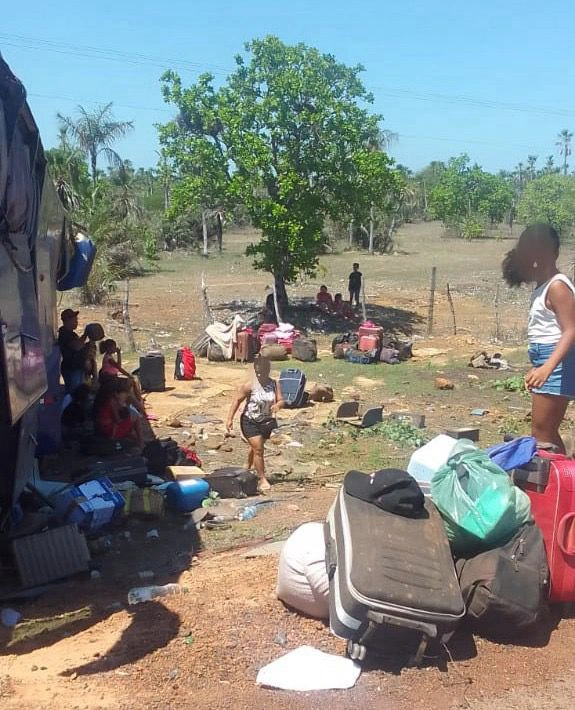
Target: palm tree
[(564, 145), (95, 132)]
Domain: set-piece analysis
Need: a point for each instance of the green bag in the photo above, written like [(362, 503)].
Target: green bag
[(480, 506)]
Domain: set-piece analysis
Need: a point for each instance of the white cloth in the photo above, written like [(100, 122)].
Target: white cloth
[(307, 669), (543, 327), (302, 576), (226, 336)]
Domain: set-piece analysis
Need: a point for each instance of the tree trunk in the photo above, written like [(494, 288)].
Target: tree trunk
[(166, 195), (351, 234), (94, 165), (219, 230), (371, 229), (205, 232), (424, 196), (280, 290)]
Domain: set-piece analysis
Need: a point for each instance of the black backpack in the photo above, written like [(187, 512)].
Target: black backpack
[(505, 590), (292, 383)]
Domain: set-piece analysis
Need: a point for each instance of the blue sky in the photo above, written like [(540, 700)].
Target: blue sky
[(493, 79)]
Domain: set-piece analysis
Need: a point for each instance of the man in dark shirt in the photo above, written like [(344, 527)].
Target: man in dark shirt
[(71, 347), (354, 285)]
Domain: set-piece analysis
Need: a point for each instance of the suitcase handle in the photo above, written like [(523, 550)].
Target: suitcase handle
[(377, 617), (562, 533)]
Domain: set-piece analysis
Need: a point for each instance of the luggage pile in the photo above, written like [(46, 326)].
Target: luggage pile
[(491, 541), (279, 342), (370, 345)]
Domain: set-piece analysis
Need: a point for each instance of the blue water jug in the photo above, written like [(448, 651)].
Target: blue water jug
[(186, 496)]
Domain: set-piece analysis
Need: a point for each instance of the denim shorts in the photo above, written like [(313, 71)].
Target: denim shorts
[(562, 380)]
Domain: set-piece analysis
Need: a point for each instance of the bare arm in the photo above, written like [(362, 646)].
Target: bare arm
[(280, 402), (561, 301), (78, 344), (243, 393)]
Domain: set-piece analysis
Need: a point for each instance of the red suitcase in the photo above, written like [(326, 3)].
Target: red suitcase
[(369, 328), (367, 343), (549, 481), (246, 346)]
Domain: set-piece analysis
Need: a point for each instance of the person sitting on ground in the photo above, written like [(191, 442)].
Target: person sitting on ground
[(355, 285), (263, 399), (112, 369), (114, 417), (551, 329), (341, 307), (71, 344), (324, 298), (302, 582), (268, 312)]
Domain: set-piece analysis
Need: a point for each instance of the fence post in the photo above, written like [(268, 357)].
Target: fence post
[(431, 301), (452, 309), (497, 318), (126, 317)]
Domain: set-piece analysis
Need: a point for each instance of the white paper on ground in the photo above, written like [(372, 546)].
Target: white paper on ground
[(306, 669)]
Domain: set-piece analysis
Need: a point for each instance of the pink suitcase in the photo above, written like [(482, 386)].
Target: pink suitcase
[(549, 481), (369, 328), (367, 343)]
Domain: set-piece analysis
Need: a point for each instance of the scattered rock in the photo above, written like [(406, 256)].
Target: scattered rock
[(441, 383), (174, 423), (281, 638)]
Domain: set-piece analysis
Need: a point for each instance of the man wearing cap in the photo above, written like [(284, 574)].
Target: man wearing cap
[(71, 346)]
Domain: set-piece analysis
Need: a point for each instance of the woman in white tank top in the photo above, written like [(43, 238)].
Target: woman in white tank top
[(551, 329), (263, 399)]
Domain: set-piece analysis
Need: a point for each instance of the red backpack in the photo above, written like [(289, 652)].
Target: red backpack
[(185, 364)]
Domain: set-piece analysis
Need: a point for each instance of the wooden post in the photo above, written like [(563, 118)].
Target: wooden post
[(452, 309), (207, 310), (497, 319), (372, 229), (351, 234), (431, 301), (363, 307), (126, 316), (205, 232)]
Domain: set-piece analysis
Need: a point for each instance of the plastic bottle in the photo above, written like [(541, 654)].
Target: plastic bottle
[(137, 595), (247, 513)]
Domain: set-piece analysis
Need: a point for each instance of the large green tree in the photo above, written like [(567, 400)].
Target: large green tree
[(550, 198), (284, 136)]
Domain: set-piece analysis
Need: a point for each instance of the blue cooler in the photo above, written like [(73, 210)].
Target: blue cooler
[(91, 505), (185, 496)]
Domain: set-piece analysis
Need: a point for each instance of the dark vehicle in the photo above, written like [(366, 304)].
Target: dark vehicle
[(34, 255)]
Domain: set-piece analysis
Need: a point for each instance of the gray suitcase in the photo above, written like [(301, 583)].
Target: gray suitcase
[(389, 572)]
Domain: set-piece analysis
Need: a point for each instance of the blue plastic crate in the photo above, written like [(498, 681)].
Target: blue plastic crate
[(92, 505)]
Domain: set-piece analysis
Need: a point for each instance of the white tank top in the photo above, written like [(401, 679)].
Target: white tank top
[(261, 400), (543, 328)]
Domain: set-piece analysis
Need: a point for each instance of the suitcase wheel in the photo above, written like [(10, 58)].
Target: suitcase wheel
[(356, 651)]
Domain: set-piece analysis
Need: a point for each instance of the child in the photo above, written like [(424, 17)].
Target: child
[(551, 329), (112, 369), (341, 307), (354, 285), (324, 298)]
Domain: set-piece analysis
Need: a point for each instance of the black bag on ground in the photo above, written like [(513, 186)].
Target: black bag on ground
[(120, 468), (152, 372), (292, 384), (389, 489), (343, 338), (160, 454), (505, 589), (233, 482), (304, 349), (215, 353)]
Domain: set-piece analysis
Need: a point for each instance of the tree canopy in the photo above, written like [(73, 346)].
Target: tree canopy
[(288, 136), (465, 197), (551, 199)]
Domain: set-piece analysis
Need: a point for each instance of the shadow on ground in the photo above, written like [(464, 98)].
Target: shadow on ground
[(308, 317)]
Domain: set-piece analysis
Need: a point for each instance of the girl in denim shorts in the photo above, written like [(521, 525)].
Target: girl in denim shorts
[(551, 329)]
